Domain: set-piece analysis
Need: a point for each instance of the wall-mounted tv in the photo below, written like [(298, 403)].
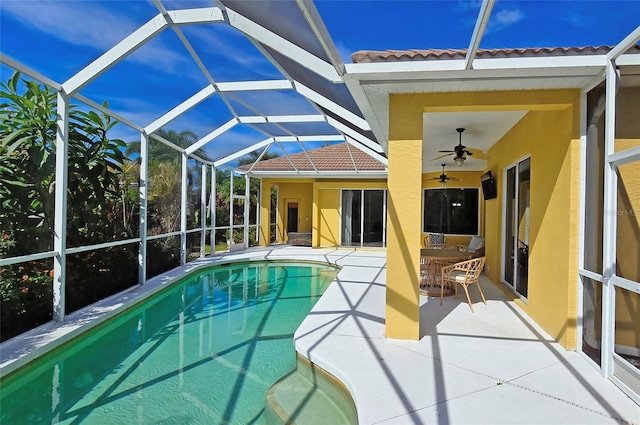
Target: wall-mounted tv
[(488, 186)]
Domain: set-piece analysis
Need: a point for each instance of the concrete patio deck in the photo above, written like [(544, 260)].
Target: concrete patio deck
[(494, 366)]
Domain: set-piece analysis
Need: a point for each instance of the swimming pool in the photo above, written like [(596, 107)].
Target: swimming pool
[(205, 350)]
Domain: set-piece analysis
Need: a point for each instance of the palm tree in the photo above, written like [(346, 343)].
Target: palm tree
[(253, 156), (161, 152), (164, 196), (255, 185)]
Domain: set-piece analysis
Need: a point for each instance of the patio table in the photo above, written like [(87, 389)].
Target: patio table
[(431, 263)]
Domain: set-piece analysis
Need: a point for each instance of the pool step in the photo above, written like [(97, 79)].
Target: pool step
[(309, 396)]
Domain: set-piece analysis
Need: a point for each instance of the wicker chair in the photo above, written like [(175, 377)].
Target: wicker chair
[(464, 273), (435, 241)]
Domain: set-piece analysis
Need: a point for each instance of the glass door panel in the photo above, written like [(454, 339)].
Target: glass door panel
[(592, 318), (627, 299), (522, 257), (363, 214), (373, 218), (509, 216), (627, 338), (516, 251), (351, 217)]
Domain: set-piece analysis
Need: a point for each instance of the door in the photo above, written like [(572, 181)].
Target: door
[(292, 217), (351, 217), (373, 214), (363, 216), (516, 226)]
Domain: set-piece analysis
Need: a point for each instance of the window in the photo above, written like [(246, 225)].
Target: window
[(453, 211)]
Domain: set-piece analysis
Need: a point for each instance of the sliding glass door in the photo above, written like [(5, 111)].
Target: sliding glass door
[(363, 218), (516, 226)]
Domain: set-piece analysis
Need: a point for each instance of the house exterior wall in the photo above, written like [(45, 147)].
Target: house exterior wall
[(550, 134), (327, 204), (289, 191), (318, 207), (554, 212)]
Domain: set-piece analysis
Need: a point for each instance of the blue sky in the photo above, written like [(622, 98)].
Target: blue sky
[(59, 38)]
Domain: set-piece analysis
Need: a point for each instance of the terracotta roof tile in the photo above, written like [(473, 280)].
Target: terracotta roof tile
[(366, 56), (327, 158)]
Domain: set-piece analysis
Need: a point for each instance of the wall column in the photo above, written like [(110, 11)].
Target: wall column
[(265, 212), (315, 217), (404, 208)]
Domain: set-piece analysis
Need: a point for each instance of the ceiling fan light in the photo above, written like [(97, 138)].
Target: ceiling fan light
[(443, 183), (459, 160)]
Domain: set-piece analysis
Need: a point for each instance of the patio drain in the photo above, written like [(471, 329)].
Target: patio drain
[(504, 382)]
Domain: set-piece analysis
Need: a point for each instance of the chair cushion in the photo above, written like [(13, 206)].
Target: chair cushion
[(457, 276), (475, 244), (436, 238)]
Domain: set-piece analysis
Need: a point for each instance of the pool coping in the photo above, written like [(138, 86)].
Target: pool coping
[(26, 347)]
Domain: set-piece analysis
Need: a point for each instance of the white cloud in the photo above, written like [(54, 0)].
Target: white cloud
[(85, 23), (509, 17), (504, 19)]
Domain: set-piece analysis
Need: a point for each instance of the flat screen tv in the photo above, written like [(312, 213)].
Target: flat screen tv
[(488, 186)]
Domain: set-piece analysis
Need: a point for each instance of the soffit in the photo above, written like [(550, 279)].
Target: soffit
[(377, 74)]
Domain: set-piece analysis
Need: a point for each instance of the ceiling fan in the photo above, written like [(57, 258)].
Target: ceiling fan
[(443, 179), (461, 152)]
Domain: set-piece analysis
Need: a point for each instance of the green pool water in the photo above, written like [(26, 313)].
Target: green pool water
[(204, 351)]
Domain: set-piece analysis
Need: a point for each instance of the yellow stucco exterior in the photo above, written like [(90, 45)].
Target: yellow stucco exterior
[(318, 203), (404, 239), (548, 134), (327, 220), (545, 136)]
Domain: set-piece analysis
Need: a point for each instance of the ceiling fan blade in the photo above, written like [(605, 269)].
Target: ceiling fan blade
[(448, 151), (454, 179), (442, 156), (478, 154)]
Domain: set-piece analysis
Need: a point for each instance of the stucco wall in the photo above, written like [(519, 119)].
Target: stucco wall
[(550, 133), (554, 210), (327, 193), (318, 206)]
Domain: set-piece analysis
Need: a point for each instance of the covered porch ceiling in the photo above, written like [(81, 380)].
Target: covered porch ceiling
[(482, 130), (327, 101)]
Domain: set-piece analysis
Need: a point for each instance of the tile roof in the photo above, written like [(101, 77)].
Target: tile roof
[(366, 56), (327, 158)]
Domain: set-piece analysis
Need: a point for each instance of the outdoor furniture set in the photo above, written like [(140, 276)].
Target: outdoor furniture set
[(443, 267)]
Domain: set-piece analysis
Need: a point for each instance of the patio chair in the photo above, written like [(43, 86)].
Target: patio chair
[(464, 273), (435, 241)]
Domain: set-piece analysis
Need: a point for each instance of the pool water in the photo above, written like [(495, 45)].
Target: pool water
[(203, 351)]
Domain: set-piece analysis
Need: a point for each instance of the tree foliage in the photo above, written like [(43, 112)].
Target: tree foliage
[(96, 200)]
